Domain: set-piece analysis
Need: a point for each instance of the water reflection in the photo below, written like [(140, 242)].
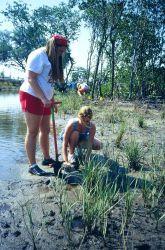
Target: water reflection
[(12, 132), (9, 102)]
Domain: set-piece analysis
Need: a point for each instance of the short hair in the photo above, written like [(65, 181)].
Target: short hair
[(85, 111)]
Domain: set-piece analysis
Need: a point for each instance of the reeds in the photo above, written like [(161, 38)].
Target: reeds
[(28, 216), (98, 195), (141, 123), (120, 135), (71, 102), (134, 154)]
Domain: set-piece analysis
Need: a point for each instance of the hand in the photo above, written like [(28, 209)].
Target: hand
[(46, 102), (66, 163)]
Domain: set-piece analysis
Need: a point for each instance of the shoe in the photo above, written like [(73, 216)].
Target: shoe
[(38, 171), (71, 158), (47, 162)]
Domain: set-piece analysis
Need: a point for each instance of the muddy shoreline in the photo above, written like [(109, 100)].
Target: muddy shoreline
[(30, 206), (48, 227)]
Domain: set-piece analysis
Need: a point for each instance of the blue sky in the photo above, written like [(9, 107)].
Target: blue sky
[(79, 48)]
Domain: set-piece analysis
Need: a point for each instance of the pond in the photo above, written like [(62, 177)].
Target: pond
[(12, 132), (13, 158)]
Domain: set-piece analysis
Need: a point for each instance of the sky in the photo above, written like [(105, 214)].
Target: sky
[(79, 48)]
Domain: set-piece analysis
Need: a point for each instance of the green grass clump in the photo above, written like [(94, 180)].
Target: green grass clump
[(141, 122), (134, 155), (71, 102), (98, 196), (163, 115), (120, 135)]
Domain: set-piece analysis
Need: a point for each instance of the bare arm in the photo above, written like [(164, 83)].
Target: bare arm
[(32, 79), (67, 133)]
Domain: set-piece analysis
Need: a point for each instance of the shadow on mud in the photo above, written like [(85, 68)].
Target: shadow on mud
[(115, 173)]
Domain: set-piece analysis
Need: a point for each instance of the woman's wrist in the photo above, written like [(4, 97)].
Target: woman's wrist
[(43, 99)]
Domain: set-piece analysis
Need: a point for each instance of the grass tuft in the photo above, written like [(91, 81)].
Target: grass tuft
[(134, 155)]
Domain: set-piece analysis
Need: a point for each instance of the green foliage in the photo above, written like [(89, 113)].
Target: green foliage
[(123, 79), (113, 116), (59, 19), (126, 58), (141, 122), (78, 74), (71, 102), (133, 49), (105, 89), (163, 115), (98, 196), (30, 32), (5, 45), (134, 155), (120, 135)]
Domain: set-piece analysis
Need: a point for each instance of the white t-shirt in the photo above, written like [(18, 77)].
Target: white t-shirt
[(83, 87), (38, 62)]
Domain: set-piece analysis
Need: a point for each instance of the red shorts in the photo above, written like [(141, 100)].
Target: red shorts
[(33, 104)]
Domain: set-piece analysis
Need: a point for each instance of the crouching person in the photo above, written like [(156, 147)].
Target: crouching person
[(82, 89), (79, 131)]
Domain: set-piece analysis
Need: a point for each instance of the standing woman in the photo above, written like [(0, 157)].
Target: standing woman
[(44, 67)]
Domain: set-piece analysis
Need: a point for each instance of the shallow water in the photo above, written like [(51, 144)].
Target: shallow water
[(12, 132), (13, 158)]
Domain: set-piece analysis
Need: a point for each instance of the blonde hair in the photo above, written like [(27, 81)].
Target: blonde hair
[(85, 111), (55, 60)]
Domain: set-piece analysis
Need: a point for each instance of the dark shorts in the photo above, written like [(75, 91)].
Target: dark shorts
[(33, 104)]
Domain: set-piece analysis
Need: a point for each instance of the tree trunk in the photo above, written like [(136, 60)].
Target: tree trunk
[(113, 69), (89, 60), (133, 66), (96, 69)]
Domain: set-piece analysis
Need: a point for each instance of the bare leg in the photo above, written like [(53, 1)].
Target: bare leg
[(44, 135), (32, 122), (73, 141), (97, 145)]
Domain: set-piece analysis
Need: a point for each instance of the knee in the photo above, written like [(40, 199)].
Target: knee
[(45, 131), (32, 132), (97, 145)]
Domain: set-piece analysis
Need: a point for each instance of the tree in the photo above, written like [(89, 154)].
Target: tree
[(79, 74), (5, 46), (103, 17), (127, 39), (29, 30), (141, 42)]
